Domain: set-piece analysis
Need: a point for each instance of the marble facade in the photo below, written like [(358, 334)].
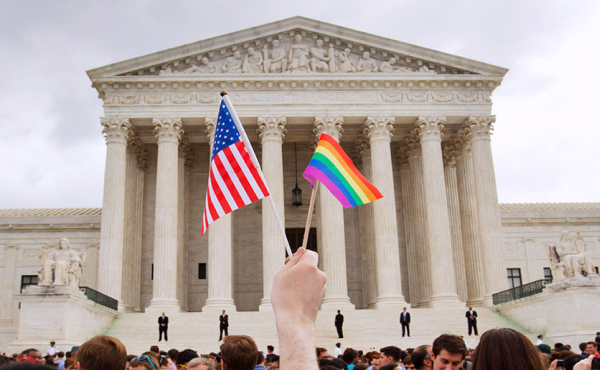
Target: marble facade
[(417, 122)]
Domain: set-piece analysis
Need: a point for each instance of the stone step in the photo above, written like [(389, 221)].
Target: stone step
[(363, 329)]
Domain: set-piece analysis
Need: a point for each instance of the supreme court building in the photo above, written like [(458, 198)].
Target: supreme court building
[(416, 122)]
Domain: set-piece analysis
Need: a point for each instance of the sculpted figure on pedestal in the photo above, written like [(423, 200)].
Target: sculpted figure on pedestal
[(253, 62), (320, 58), (60, 267), (233, 64), (298, 56), (569, 258), (367, 64), (344, 63), (275, 60)]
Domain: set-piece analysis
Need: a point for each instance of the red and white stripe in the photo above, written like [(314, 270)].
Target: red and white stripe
[(233, 182)]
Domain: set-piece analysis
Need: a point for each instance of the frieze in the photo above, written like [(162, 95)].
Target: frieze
[(299, 97)]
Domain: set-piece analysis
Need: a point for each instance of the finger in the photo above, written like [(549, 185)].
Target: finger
[(291, 262)]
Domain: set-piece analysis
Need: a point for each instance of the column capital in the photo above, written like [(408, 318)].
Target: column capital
[(362, 148), (137, 148), (331, 125), (211, 123), (167, 129), (402, 154), (271, 128), (481, 127), (412, 144), (116, 129), (449, 153), (186, 152), (430, 127), (379, 127)]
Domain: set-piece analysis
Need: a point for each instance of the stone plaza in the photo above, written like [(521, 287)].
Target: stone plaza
[(416, 122)]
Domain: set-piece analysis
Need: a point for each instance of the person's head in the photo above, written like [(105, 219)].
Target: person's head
[(223, 312), (200, 363), (184, 357), (339, 311), (449, 351), (60, 354), (102, 352), (376, 362), (173, 354), (154, 349), (421, 357), (144, 362), (338, 345), (390, 355), (164, 314), (404, 309), (540, 336), (274, 363), (571, 360), (350, 356), (238, 352), (470, 308), (322, 353), (544, 348), (506, 349), (68, 354), (408, 364), (582, 347), (557, 346), (270, 349), (591, 348), (35, 355), (52, 343), (392, 366)]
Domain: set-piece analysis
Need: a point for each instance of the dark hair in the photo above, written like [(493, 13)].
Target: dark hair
[(392, 351), (540, 336), (361, 367), (454, 344), (185, 356), (150, 361), (419, 355), (61, 354), (506, 349), (239, 352), (595, 344), (350, 356), (338, 345), (407, 360), (557, 345), (570, 361), (389, 367), (155, 349), (320, 350), (173, 354), (329, 364), (260, 357), (271, 348), (102, 352), (582, 346), (27, 366)]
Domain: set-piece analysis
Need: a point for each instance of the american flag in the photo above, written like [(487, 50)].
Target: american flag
[(233, 180)]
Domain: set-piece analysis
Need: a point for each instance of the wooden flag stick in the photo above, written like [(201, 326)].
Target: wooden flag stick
[(313, 195)]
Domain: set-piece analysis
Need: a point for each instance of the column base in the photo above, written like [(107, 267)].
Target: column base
[(391, 301), (339, 302), (167, 305), (265, 305), (488, 301), (213, 305), (477, 302), (446, 301)]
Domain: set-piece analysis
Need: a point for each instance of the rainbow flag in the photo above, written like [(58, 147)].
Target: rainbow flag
[(332, 167)]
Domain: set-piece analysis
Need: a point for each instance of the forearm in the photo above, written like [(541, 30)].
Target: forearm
[(296, 345)]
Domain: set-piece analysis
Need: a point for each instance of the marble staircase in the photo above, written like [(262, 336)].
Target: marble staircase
[(363, 329)]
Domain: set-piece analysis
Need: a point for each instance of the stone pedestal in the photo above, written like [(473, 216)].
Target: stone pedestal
[(61, 314)]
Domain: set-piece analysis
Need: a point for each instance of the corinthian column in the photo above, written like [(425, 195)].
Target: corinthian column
[(487, 203), (168, 132), (443, 285), (379, 131), (330, 229), (220, 254), (365, 220), (271, 132), (454, 213), (417, 205), (185, 162), (409, 224), (116, 132), (469, 220)]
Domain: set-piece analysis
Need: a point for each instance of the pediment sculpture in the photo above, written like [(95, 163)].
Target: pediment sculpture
[(569, 258), (296, 56), (61, 267)]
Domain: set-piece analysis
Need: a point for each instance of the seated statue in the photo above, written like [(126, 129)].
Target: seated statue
[(569, 258), (60, 267)]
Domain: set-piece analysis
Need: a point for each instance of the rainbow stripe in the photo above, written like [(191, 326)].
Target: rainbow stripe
[(332, 167)]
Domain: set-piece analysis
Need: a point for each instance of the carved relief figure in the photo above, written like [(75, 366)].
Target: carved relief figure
[(205, 67), (298, 56), (367, 64), (569, 258), (233, 64), (61, 267), (387, 67), (320, 60), (344, 63), (253, 62), (276, 62)]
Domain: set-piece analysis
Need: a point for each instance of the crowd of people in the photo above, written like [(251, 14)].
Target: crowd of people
[(296, 296)]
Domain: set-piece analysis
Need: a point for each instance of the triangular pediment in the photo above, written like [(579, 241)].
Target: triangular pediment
[(296, 46)]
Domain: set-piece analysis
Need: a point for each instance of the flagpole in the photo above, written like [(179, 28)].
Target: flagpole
[(313, 195), (238, 125)]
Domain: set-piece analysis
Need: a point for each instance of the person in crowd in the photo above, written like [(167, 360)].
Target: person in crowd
[(69, 364), (322, 353), (337, 352), (60, 358), (582, 348), (155, 349), (147, 361), (448, 352), (270, 353), (392, 366), (102, 352), (544, 348), (201, 363), (260, 361), (350, 357), (184, 357), (408, 364), (51, 351), (597, 339), (238, 352), (390, 355), (274, 363), (506, 349), (592, 348), (422, 357), (376, 362), (571, 360), (540, 340)]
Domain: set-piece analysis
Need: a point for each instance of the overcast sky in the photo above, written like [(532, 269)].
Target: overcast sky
[(545, 144)]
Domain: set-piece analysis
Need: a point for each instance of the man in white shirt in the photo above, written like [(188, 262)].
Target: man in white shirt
[(52, 351), (540, 340), (337, 352)]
